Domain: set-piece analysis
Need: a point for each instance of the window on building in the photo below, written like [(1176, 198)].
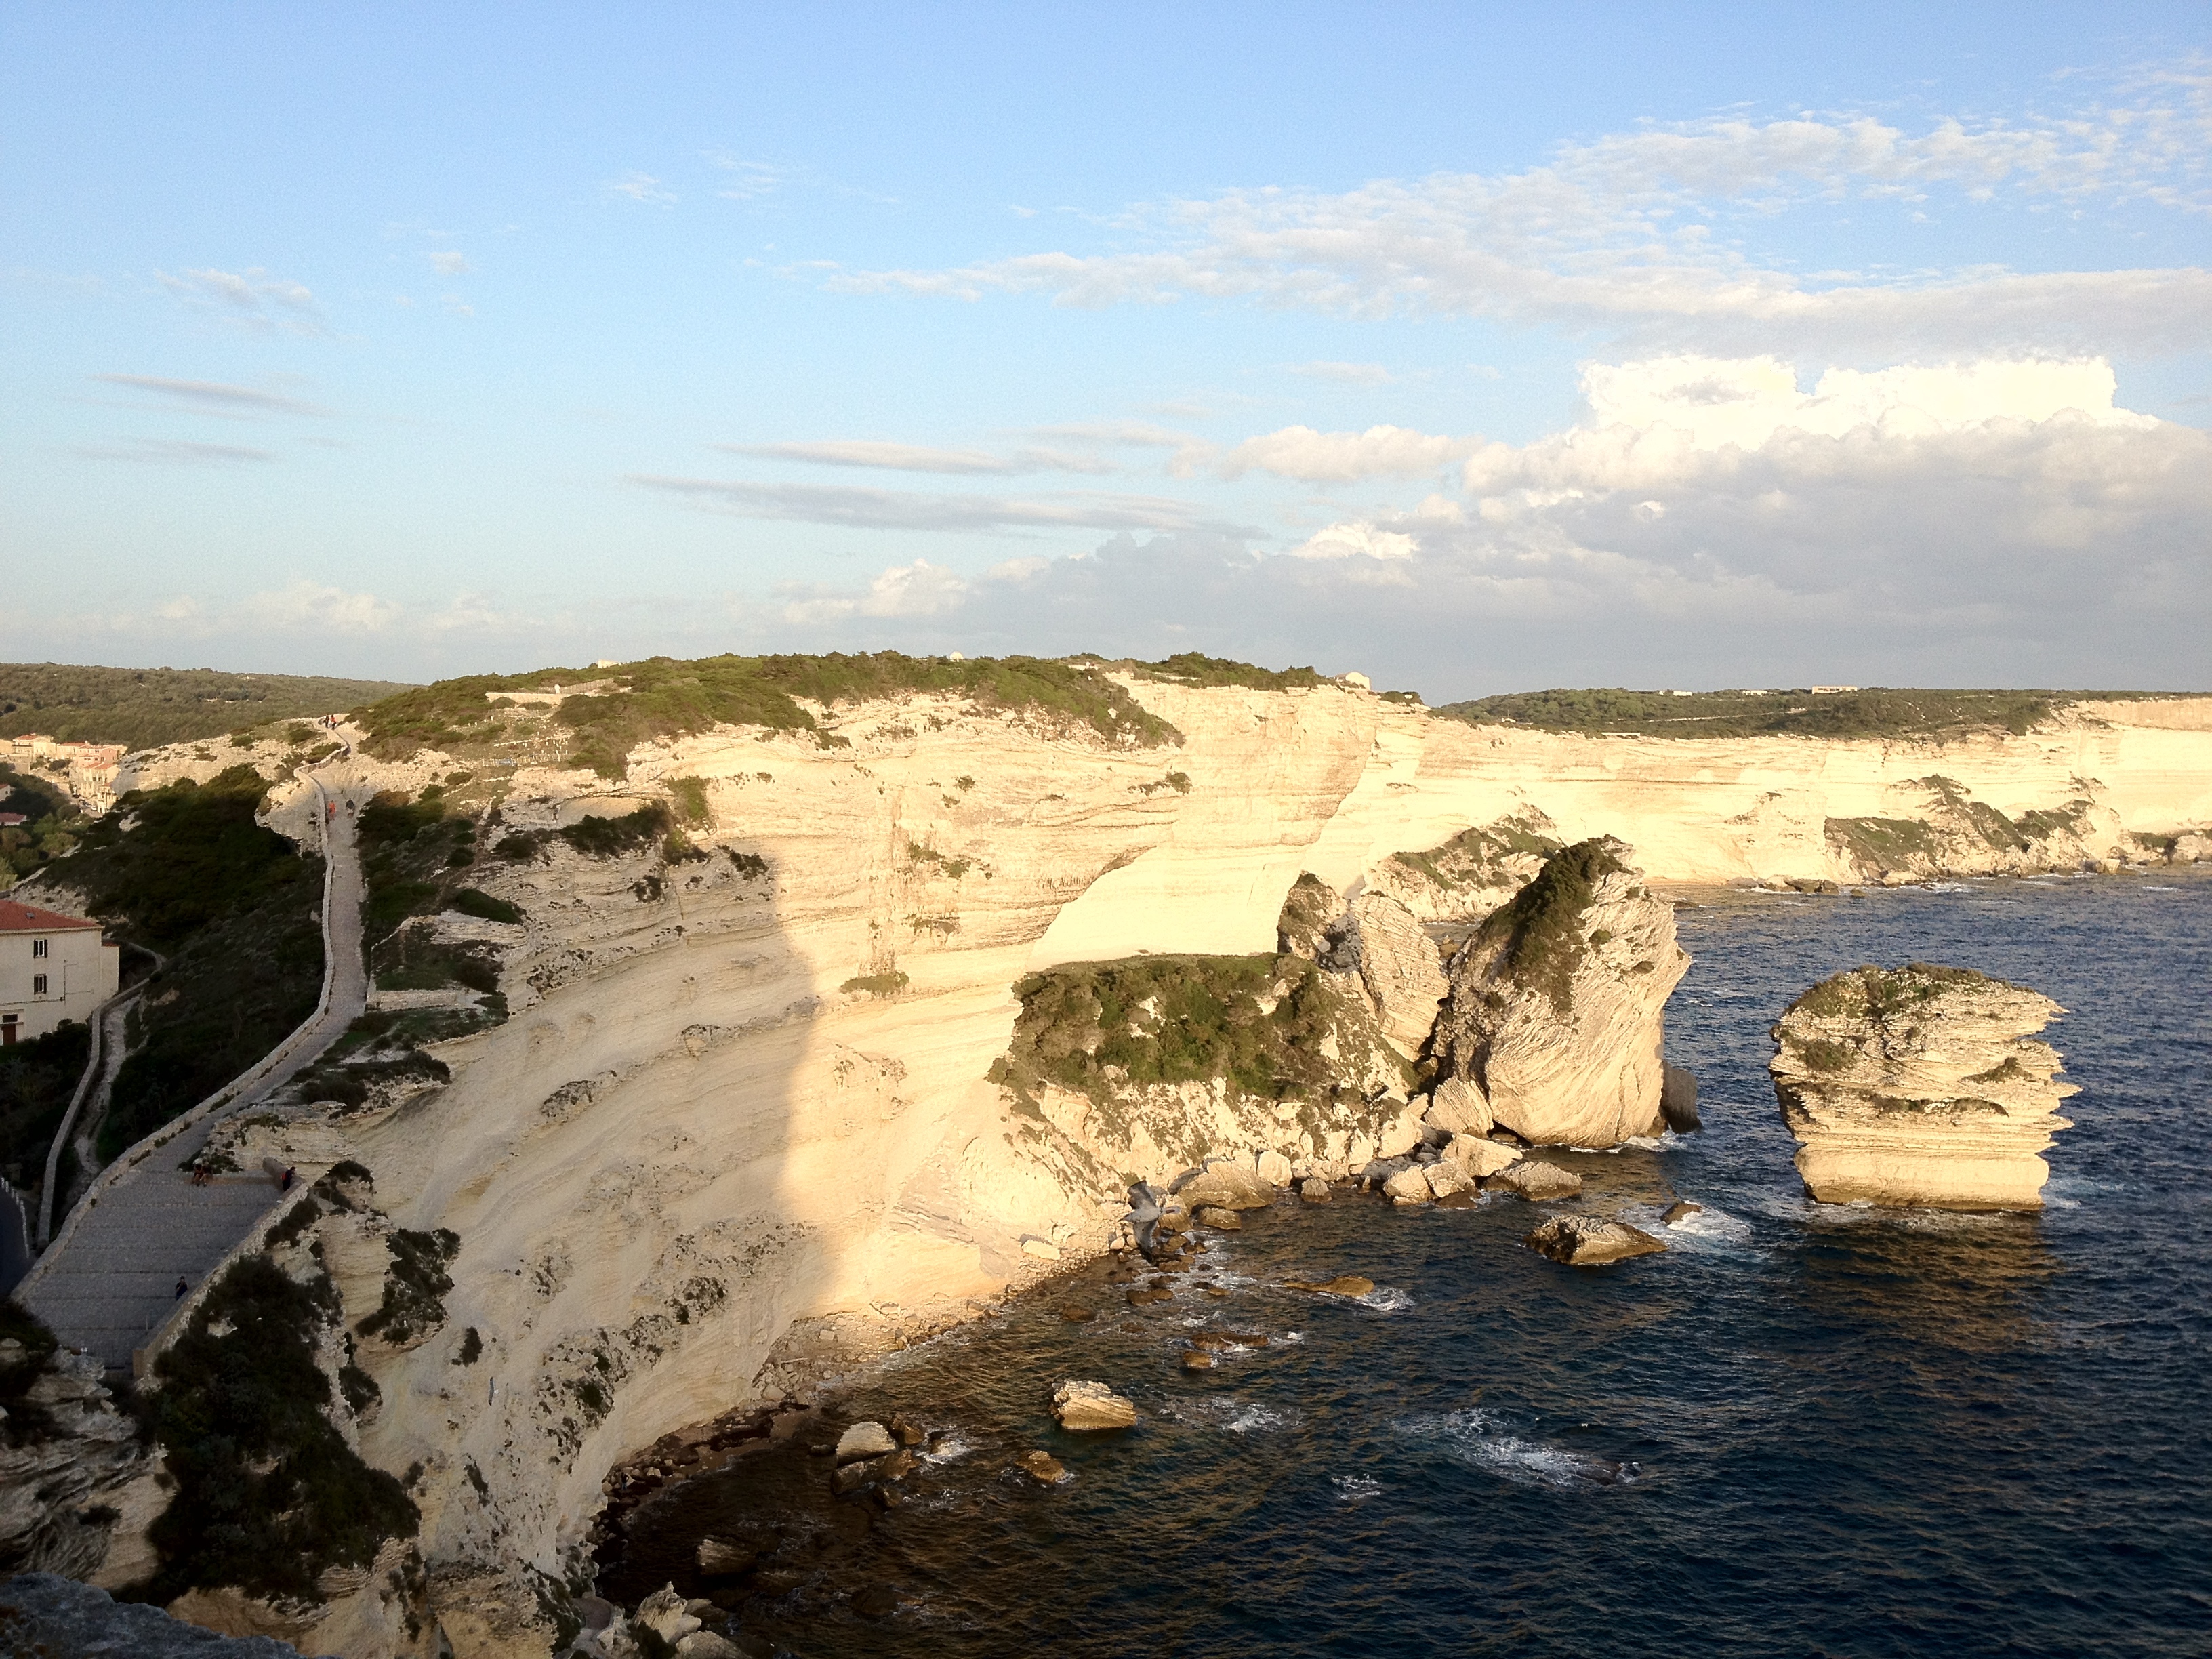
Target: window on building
[(38, 947), (38, 985)]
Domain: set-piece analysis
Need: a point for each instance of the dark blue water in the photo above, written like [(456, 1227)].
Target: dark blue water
[(1802, 1431)]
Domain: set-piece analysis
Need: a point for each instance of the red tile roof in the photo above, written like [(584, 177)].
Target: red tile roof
[(29, 919)]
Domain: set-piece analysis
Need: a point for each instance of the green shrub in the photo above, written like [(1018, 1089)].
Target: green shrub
[(268, 1494), (414, 1285), (471, 901), (1542, 924)]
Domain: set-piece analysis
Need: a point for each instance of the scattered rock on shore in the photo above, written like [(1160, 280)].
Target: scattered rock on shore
[(864, 1440), (1342, 1285), (1085, 1405), (1223, 1221), (1042, 1468), (1315, 1190), (1533, 1179), (1225, 1184), (1583, 1241)]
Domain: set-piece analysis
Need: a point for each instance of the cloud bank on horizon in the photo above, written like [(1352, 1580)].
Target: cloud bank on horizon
[(1710, 400)]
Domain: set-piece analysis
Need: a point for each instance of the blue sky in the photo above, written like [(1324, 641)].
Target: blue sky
[(1476, 347)]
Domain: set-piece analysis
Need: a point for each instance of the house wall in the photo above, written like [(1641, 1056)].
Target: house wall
[(81, 971)]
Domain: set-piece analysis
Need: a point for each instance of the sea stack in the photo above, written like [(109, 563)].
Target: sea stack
[(1558, 1003), (1920, 1085)]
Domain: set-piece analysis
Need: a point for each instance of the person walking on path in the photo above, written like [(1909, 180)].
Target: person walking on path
[(181, 1287)]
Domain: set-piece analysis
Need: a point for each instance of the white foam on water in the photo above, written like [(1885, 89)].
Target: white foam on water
[(948, 1449), (1385, 1298), (1292, 1336), (1480, 1440), (1352, 1488), (1712, 1223), (1233, 1415)]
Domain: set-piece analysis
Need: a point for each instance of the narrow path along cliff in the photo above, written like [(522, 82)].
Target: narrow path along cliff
[(110, 1278)]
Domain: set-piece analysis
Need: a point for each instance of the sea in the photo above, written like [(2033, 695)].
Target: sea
[(1804, 1429)]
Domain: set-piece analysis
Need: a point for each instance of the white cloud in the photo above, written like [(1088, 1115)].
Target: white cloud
[(213, 397), (252, 299), (921, 458), (450, 263), (641, 187), (920, 589), (1344, 373), (1381, 451), (1627, 231), (304, 606), (890, 509), (1358, 540), (745, 181)]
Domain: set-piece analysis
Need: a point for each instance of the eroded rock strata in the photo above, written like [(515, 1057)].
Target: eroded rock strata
[(1557, 1007), (1920, 1084)]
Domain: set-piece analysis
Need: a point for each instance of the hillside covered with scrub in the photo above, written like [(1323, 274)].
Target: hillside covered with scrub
[(1859, 712), (140, 708)]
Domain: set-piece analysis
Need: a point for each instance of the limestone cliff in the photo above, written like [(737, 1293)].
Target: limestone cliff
[(1921, 1084), (1558, 1002), (728, 1122)]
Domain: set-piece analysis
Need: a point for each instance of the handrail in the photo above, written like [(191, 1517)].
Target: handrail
[(230, 1092)]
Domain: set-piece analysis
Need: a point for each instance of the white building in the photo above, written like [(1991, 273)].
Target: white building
[(52, 968)]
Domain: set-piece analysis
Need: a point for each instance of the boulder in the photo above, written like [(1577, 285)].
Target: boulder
[(1457, 1106), (1273, 1168), (1042, 1468), (1314, 1190), (1479, 1156), (662, 1612), (1087, 1406), (852, 1477), (1920, 1085), (881, 1601), (1399, 969), (864, 1440), (1681, 1210), (1558, 1003), (1311, 911), (1225, 1185), (718, 1557), (1408, 1186), (1220, 1220), (1342, 1285), (1533, 1180), (708, 1644), (1447, 1180), (1198, 1359), (1401, 1131), (1583, 1241)]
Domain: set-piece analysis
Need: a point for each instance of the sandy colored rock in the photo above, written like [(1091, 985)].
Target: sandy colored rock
[(865, 1440), (662, 1612), (1085, 1405), (1225, 1184), (1314, 1190), (1042, 1468), (1399, 968), (720, 1556), (1920, 1085), (1458, 1106), (1273, 1168), (1408, 1186), (1681, 1211), (1342, 1285), (1558, 1003), (1479, 1157), (1581, 1241), (1221, 1220), (1446, 1179), (1531, 1178), (1198, 1359)]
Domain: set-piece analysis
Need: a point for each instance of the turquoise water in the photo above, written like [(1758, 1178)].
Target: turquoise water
[(1804, 1430)]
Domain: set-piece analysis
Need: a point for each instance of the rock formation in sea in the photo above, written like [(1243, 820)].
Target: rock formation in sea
[(1920, 1085), (1557, 1001), (1579, 1240)]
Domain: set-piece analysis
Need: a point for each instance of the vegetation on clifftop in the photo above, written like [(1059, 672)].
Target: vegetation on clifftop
[(665, 697), (235, 908), (1543, 927), (140, 708), (1868, 712)]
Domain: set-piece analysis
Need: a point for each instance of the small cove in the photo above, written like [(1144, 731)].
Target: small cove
[(1803, 1430)]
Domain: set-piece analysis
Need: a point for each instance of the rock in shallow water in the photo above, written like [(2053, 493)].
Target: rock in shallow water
[(1315, 1190), (864, 1440), (1224, 1221), (1342, 1285), (1531, 1179), (1091, 1405), (1581, 1241), (1921, 1086), (1042, 1468), (1680, 1212)]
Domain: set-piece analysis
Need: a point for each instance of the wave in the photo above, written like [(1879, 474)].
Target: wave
[(1480, 1440), (1386, 1298), (1231, 1415), (948, 1448), (1352, 1488)]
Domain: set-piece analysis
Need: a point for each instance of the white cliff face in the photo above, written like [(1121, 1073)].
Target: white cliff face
[(1558, 1003), (739, 1130), (1920, 1085)]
